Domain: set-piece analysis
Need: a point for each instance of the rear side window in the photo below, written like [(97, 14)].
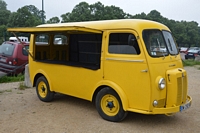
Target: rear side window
[(7, 49), (60, 39), (42, 39), (123, 43)]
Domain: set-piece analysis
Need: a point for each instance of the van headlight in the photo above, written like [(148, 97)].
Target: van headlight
[(161, 84)]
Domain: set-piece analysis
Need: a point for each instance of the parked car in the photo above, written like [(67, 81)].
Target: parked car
[(192, 54), (13, 57), (183, 50), (193, 50)]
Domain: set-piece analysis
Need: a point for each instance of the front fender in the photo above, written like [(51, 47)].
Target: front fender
[(118, 89)]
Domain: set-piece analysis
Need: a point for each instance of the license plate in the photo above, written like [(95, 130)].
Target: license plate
[(185, 106), (190, 54), (2, 60)]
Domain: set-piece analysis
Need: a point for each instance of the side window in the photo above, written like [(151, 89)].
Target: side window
[(24, 51), (123, 43), (42, 39), (60, 39)]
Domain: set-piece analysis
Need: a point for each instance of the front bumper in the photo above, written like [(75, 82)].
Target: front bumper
[(173, 109)]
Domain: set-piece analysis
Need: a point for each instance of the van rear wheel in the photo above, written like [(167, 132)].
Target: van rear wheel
[(109, 105), (43, 90)]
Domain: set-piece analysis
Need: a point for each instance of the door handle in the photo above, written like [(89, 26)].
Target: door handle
[(144, 71)]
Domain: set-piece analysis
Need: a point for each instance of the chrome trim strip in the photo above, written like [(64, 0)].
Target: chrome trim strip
[(124, 60)]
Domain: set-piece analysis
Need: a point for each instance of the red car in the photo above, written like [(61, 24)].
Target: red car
[(183, 49), (13, 57)]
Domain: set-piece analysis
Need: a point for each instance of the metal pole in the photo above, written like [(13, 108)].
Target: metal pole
[(43, 11)]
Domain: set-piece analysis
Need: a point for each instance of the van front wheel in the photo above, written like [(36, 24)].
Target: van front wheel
[(43, 90), (109, 105)]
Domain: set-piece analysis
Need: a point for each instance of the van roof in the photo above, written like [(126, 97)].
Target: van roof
[(95, 26), (111, 24)]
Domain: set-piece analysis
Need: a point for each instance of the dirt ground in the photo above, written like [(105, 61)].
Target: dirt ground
[(22, 112)]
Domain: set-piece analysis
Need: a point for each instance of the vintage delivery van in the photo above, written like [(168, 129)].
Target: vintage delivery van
[(122, 66)]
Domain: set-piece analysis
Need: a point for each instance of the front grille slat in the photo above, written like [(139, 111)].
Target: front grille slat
[(181, 90)]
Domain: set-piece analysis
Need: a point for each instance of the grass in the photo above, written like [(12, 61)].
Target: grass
[(22, 86), (2, 91), (7, 79), (191, 63)]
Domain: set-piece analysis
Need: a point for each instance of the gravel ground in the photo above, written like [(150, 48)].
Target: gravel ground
[(22, 112)]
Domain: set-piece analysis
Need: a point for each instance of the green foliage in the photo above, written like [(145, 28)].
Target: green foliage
[(53, 20), (7, 79), (2, 91), (3, 5), (23, 18), (22, 86), (27, 16), (186, 33), (85, 12), (190, 63), (36, 12), (4, 14)]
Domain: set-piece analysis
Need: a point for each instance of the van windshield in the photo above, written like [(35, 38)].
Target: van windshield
[(159, 43), (171, 45), (7, 49)]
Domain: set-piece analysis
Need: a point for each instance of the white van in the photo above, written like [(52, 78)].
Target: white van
[(14, 39)]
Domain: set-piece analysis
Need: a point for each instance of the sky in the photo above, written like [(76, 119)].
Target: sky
[(186, 10)]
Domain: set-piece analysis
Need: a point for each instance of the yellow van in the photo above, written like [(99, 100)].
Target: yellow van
[(127, 65)]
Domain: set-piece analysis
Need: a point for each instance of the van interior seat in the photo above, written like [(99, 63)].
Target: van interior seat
[(121, 49)]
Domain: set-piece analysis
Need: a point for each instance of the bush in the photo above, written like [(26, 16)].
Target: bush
[(7, 79), (190, 63)]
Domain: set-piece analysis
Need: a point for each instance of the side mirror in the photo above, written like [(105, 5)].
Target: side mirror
[(131, 40)]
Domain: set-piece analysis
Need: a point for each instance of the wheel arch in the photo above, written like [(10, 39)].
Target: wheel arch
[(39, 74), (116, 88)]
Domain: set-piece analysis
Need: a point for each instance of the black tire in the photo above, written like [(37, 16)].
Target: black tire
[(43, 90), (109, 105)]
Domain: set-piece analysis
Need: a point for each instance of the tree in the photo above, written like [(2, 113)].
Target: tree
[(65, 17), (3, 33), (97, 11), (3, 5), (36, 12), (23, 18), (186, 33), (4, 15), (85, 12), (81, 12), (140, 16), (192, 33), (112, 12), (53, 20)]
